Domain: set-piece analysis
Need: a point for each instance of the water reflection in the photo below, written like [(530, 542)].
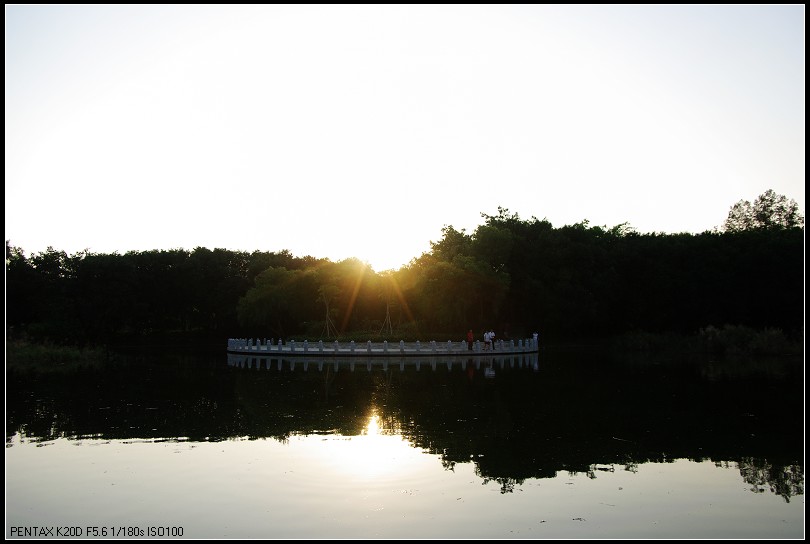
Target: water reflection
[(513, 419), (488, 364), (329, 486)]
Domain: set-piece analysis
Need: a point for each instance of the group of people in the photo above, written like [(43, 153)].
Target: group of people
[(489, 340)]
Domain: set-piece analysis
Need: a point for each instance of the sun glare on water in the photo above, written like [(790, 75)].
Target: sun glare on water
[(369, 455)]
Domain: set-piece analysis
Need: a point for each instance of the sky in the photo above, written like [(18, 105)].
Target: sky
[(361, 131)]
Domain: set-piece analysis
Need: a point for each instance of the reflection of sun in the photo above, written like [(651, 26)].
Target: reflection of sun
[(373, 427), (373, 453)]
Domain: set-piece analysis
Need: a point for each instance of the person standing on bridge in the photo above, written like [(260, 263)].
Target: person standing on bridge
[(470, 338)]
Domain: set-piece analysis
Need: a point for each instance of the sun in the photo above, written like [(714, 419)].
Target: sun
[(386, 259)]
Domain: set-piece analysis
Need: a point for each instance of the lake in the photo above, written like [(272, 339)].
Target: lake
[(563, 444)]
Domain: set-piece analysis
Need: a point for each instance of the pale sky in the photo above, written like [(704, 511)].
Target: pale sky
[(360, 131)]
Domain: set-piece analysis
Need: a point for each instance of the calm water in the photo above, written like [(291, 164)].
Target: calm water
[(564, 445)]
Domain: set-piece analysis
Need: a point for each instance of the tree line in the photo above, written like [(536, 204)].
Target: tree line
[(512, 275)]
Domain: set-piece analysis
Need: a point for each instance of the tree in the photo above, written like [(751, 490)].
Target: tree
[(769, 211), (279, 303)]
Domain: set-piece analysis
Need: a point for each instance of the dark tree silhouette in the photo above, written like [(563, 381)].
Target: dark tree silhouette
[(522, 276)]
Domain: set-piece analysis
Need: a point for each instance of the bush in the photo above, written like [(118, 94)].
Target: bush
[(735, 339), (22, 355)]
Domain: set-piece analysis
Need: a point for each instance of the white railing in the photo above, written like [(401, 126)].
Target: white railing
[(270, 345)]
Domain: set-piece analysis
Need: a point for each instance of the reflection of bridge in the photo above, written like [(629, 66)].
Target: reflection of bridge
[(284, 362), (379, 349)]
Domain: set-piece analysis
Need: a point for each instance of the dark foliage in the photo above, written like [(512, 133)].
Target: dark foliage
[(511, 275)]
